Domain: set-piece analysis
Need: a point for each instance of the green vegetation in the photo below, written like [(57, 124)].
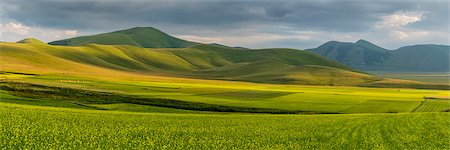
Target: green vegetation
[(31, 41), (140, 36), (213, 95), (130, 97), (428, 77), (63, 128), (361, 55), (287, 66), (434, 105), (85, 98), (366, 56), (426, 58)]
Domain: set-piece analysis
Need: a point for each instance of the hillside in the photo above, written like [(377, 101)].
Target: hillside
[(420, 57), (31, 41), (366, 56), (202, 61), (178, 58), (140, 36)]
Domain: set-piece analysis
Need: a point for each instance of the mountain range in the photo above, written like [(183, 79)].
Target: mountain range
[(148, 51), (366, 56), (362, 55)]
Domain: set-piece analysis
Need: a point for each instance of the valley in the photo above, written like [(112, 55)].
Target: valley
[(105, 92)]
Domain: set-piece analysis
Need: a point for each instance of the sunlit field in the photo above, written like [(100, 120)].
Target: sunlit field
[(320, 99), (40, 127), (141, 88), (429, 77)]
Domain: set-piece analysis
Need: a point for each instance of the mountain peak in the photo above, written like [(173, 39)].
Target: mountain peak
[(366, 43), (31, 41), (369, 45), (362, 41), (147, 37), (331, 44), (137, 29)]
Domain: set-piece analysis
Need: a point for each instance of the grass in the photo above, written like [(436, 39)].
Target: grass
[(227, 94), (86, 98), (286, 66), (434, 105), (367, 56), (139, 36), (428, 77), (125, 97), (39, 127), (145, 108)]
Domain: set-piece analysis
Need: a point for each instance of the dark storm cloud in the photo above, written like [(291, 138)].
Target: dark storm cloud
[(258, 24), (307, 15)]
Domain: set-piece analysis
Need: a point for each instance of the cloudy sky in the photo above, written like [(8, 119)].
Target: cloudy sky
[(255, 24)]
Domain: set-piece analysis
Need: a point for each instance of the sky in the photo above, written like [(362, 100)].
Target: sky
[(297, 24)]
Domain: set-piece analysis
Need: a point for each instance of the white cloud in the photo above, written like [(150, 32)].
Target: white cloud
[(15, 31), (70, 32), (405, 35), (396, 25), (400, 19)]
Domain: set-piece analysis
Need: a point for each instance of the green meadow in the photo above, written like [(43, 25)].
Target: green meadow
[(192, 96), (79, 111), (24, 126), (428, 77), (319, 99)]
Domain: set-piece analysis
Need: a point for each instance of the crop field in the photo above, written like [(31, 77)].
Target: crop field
[(141, 88), (133, 111), (23, 126), (319, 99), (433, 105), (429, 77)]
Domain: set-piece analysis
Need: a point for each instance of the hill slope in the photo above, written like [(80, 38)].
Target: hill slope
[(366, 56), (140, 36), (360, 55), (419, 58), (201, 61)]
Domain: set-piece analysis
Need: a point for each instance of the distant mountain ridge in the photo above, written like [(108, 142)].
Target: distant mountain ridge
[(188, 60), (147, 37), (366, 56), (361, 55), (205, 61)]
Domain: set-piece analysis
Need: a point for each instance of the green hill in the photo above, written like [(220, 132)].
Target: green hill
[(140, 36), (126, 52), (31, 41), (368, 45), (360, 55), (428, 58), (366, 56), (201, 61)]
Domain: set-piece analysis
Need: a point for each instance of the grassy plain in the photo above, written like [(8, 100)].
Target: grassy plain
[(286, 66), (99, 96), (428, 77), (330, 99), (40, 127)]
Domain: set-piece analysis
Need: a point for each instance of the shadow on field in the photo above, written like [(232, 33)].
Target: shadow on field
[(83, 97)]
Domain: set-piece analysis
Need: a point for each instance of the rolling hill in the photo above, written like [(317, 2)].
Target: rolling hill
[(201, 61), (366, 56), (139, 36), (186, 60), (420, 58)]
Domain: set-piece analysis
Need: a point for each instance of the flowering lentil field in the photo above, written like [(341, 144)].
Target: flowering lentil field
[(41, 127)]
